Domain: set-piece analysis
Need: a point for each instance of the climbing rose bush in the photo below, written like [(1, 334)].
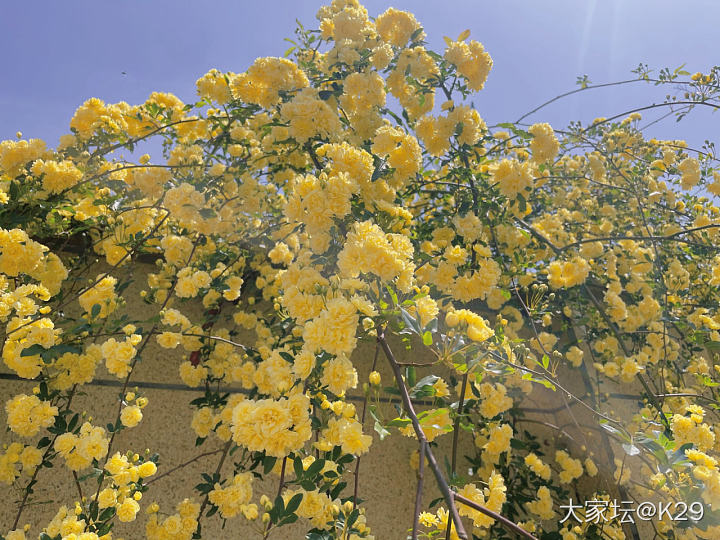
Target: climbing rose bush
[(350, 192)]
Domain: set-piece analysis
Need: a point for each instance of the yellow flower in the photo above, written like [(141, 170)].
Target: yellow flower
[(131, 416)]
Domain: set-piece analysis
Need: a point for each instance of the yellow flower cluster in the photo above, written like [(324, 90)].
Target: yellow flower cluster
[(67, 526), (347, 433), (276, 427), (185, 202), (23, 334), (80, 450), (543, 505), (478, 284), (190, 282), (299, 175), (512, 177), (436, 132), (471, 60), (119, 354), (314, 506), (494, 399), (544, 146), (571, 468), (179, 526), (692, 429), (492, 497), (690, 172), (214, 86), (339, 375), (102, 293), (575, 356), (477, 327), (537, 466), (57, 175), (706, 470), (498, 439), (28, 457), (19, 254), (14, 155), (265, 79), (369, 250), (401, 152), (94, 115), (333, 331), (396, 27), (125, 471), (309, 116), (568, 273), (234, 499), (27, 415), (315, 201), (72, 368)]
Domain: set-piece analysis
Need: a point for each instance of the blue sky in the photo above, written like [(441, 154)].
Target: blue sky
[(57, 54)]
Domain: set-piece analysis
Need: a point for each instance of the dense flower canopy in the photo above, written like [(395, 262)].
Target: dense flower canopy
[(350, 193)]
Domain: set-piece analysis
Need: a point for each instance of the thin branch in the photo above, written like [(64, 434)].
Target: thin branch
[(418, 492), (225, 451), (362, 423), (183, 465), (456, 436), (442, 483), (33, 478), (505, 522), (77, 485)]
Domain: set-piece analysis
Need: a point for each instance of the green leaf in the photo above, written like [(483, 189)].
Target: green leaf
[(107, 513), (298, 468), (268, 463), (399, 422), (33, 350), (410, 322), (410, 375), (315, 468), (294, 503)]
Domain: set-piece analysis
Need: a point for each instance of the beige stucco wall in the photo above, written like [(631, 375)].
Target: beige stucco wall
[(387, 482)]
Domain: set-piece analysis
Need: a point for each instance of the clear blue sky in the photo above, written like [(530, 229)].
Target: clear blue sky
[(57, 54)]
